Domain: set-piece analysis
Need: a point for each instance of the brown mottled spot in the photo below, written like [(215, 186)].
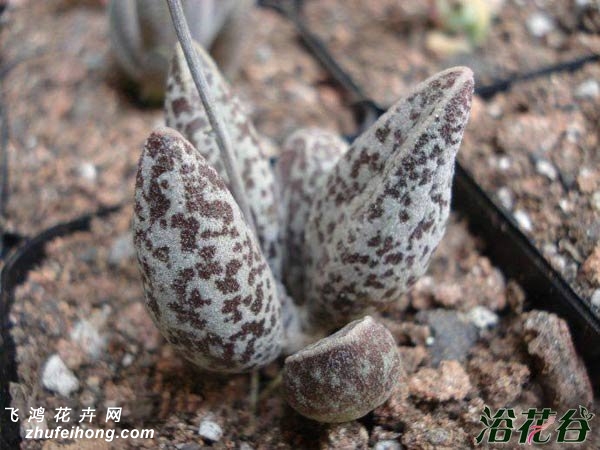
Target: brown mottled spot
[(158, 203), (376, 209), (388, 244), (390, 292), (229, 284), (208, 268), (205, 171), (374, 241), (196, 300), (388, 273), (199, 123), (189, 227), (217, 209), (354, 258), (394, 258), (259, 296), (152, 304), (162, 254), (180, 105), (232, 307), (382, 133), (180, 283), (254, 328)]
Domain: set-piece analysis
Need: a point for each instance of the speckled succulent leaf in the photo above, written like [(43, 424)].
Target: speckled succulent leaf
[(207, 284), (184, 111), (344, 376), (306, 158), (383, 208)]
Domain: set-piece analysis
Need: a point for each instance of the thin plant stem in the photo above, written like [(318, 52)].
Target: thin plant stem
[(254, 386), (274, 384), (222, 136)]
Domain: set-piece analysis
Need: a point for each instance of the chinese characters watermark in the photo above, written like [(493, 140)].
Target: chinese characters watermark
[(538, 428)]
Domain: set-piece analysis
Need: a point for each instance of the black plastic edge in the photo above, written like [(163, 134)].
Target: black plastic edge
[(520, 260), (11, 275)]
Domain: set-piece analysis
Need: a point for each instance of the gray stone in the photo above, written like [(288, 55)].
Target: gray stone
[(387, 445), (596, 298), (210, 430), (121, 250), (454, 336), (482, 317), (88, 338), (539, 24), (589, 89)]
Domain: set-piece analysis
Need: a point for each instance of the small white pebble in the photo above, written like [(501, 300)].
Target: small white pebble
[(539, 24), (588, 89), (429, 341), (559, 262), (127, 360), (210, 430), (387, 444), (596, 298), (573, 134), (57, 377), (93, 382), (264, 53), (482, 317), (88, 338), (565, 205), (504, 163), (495, 110), (546, 168), (596, 200), (505, 197), (121, 250), (523, 220), (87, 171)]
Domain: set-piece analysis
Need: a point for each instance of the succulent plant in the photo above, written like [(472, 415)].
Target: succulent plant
[(383, 208), (469, 17), (142, 37), (358, 227)]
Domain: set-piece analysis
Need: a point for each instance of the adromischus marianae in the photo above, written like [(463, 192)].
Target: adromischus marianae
[(358, 227)]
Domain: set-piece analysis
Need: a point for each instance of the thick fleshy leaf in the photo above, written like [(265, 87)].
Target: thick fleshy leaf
[(184, 111), (383, 209), (306, 158), (343, 376), (207, 284)]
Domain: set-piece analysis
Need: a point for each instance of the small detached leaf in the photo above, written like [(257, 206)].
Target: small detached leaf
[(344, 376), (306, 158), (207, 284), (383, 209), (184, 111)]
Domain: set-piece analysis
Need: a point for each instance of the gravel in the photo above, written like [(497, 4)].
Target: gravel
[(57, 377)]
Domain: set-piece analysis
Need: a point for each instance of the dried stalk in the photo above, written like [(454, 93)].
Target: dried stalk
[(222, 136)]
